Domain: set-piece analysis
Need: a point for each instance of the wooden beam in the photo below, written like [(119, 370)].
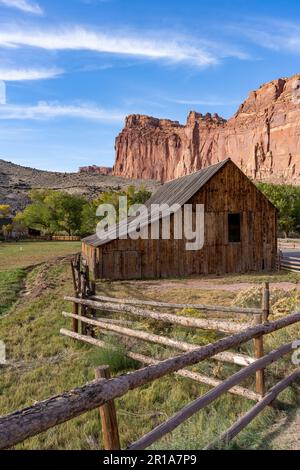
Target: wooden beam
[(198, 404), (18, 426), (75, 321), (108, 416), (237, 427), (266, 302), (76, 293), (207, 308), (195, 376), (226, 356), (114, 321), (259, 352), (74, 278), (204, 324)]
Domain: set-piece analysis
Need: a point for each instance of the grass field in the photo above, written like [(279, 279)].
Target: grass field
[(10, 286), (30, 253), (16, 258), (42, 363)]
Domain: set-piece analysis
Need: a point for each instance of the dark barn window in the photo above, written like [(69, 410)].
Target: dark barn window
[(234, 228)]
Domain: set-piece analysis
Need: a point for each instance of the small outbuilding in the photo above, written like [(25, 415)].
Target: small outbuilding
[(240, 231)]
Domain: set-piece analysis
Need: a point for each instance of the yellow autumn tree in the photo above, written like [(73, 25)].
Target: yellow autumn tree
[(5, 211)]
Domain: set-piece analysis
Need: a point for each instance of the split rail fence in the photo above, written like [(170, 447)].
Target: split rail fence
[(102, 392), (288, 243), (287, 260), (65, 238)]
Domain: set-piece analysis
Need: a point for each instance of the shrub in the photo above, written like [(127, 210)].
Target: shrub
[(281, 302)]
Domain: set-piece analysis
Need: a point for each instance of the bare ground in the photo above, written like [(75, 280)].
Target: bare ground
[(285, 433), (210, 284), (289, 438)]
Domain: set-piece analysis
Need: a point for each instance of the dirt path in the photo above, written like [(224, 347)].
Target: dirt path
[(287, 435), (211, 284)]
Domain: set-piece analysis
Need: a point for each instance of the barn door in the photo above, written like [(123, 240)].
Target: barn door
[(111, 265), (122, 265), (131, 265)]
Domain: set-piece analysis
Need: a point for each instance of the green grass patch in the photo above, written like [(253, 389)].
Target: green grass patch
[(10, 286), (113, 356), (29, 253)]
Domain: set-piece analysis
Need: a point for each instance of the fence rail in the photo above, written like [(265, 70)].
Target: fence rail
[(62, 238), (206, 308), (288, 243), (288, 263), (22, 424)]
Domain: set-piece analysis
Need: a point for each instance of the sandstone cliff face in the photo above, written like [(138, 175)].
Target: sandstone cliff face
[(262, 138), (99, 170)]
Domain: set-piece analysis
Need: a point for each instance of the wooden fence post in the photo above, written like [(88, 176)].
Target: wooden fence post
[(279, 259), (259, 341), (92, 312), (108, 416), (75, 321), (75, 306), (259, 352), (84, 287), (266, 302)]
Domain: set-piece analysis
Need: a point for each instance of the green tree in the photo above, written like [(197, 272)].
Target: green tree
[(54, 212), (65, 212), (134, 196), (137, 196), (19, 225), (287, 200)]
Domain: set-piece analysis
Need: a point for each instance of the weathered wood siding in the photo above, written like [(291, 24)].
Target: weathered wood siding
[(229, 191)]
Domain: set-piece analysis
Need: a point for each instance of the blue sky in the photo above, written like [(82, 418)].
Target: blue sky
[(74, 69)]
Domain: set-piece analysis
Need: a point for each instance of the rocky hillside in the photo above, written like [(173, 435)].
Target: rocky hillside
[(262, 138), (16, 181)]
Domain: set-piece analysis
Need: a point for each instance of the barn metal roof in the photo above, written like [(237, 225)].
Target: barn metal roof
[(178, 191)]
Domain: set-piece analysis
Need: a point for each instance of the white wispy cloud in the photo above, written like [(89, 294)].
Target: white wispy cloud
[(271, 34), (159, 45), (23, 5), (14, 74), (46, 110)]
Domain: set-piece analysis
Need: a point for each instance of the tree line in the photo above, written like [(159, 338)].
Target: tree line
[(286, 198), (58, 212)]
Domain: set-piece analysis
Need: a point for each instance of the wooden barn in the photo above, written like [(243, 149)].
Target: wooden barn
[(240, 231)]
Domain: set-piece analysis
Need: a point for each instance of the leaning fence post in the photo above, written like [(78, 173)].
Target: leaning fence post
[(84, 288), (266, 301), (108, 416), (259, 352), (75, 305), (75, 321), (279, 260)]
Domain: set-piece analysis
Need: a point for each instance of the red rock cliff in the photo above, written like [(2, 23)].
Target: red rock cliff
[(262, 138)]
